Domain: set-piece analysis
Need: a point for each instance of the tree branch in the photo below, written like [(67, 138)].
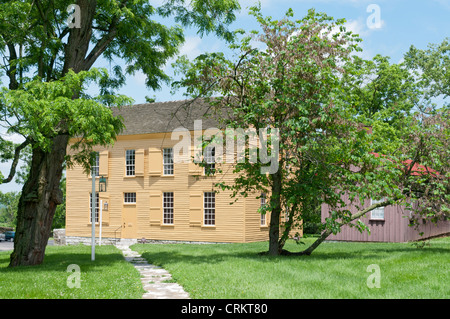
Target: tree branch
[(328, 232), (12, 171), (101, 45)]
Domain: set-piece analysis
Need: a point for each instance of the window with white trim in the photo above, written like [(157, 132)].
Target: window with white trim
[(168, 161), (209, 208), (95, 167), (168, 208), (262, 204), (377, 213), (97, 207), (210, 160), (130, 158), (129, 198)]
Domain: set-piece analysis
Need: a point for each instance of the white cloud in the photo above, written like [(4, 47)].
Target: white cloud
[(191, 47), (139, 78)]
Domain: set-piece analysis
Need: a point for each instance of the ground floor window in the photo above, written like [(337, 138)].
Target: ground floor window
[(96, 207), (129, 198), (168, 208), (377, 213), (209, 208), (263, 203)]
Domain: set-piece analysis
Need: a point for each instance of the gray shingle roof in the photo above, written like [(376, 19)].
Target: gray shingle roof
[(160, 117)]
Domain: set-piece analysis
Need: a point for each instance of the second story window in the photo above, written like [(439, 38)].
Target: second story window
[(95, 167), (130, 163), (168, 161), (210, 160)]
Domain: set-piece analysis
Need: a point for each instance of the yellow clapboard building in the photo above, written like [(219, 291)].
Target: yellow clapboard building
[(149, 195)]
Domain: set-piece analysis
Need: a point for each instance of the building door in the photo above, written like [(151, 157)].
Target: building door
[(129, 221)]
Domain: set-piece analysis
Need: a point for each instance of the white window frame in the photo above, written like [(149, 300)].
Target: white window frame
[(96, 166), (209, 208), (210, 160), (262, 204), (129, 198), (130, 162), (97, 207), (377, 213), (168, 208), (168, 168)]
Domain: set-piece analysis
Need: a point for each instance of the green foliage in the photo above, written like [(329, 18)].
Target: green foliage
[(39, 50), (128, 30), (44, 110), (293, 84), (432, 67), (8, 208), (59, 219), (49, 64), (349, 128)]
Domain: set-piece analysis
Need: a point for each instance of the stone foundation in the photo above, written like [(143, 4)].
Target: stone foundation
[(60, 239), (75, 240)]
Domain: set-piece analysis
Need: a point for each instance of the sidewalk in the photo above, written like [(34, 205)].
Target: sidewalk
[(153, 277)]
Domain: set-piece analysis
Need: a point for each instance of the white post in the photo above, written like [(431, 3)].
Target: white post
[(100, 221), (93, 198)]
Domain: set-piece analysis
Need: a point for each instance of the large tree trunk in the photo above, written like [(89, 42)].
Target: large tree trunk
[(40, 196), (41, 193), (274, 230)]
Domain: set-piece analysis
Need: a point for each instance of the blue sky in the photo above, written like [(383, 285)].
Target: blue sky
[(403, 23)]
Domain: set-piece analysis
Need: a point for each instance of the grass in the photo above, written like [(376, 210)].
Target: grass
[(108, 277), (334, 270), (236, 271)]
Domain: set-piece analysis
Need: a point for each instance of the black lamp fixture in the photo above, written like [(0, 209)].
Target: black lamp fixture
[(102, 184)]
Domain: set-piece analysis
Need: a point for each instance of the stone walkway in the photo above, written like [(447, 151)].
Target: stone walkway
[(154, 279)]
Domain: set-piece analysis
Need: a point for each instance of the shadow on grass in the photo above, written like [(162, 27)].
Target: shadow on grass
[(197, 256), (60, 260)]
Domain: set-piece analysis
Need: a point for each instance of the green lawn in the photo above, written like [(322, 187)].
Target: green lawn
[(334, 270), (109, 276)]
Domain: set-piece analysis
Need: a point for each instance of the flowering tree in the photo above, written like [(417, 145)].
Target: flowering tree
[(300, 77)]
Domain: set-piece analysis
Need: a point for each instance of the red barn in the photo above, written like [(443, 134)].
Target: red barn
[(390, 223)]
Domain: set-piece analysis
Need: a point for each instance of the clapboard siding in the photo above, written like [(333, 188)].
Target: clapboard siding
[(238, 222), (253, 229), (394, 227)]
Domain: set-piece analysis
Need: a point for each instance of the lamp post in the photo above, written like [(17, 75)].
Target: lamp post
[(93, 201), (102, 188)]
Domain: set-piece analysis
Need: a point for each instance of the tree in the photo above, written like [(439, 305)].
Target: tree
[(8, 207), (302, 79), (292, 85), (47, 115), (59, 219), (37, 44)]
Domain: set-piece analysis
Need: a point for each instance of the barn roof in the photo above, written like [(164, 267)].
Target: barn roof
[(417, 169)]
